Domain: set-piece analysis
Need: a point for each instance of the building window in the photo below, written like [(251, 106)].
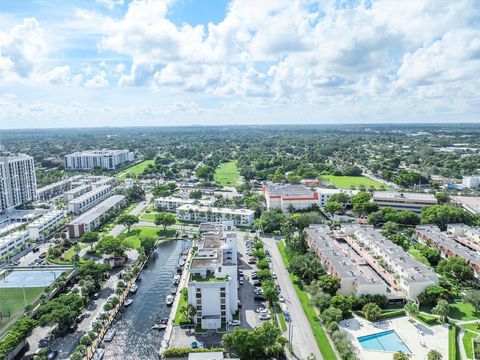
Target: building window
[(222, 307)]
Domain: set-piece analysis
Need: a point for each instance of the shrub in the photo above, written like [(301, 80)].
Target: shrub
[(183, 352)]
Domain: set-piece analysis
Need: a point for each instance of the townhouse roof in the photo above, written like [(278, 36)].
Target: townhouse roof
[(288, 190)]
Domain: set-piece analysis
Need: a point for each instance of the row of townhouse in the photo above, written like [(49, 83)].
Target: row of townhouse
[(89, 199), (398, 268), (213, 283), (356, 278), (57, 188), (42, 226), (448, 246), (11, 243), (172, 203), (465, 235), (195, 213), (92, 219), (76, 192)]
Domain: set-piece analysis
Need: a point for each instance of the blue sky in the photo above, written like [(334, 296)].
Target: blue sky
[(123, 63)]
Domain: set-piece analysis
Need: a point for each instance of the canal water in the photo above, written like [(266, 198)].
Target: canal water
[(134, 337)]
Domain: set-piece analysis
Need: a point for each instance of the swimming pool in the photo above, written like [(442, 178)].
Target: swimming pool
[(387, 341)]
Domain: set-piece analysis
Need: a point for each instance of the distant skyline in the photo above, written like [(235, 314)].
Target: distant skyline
[(117, 63)]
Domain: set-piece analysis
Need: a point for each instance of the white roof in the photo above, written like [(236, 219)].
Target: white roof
[(187, 207)]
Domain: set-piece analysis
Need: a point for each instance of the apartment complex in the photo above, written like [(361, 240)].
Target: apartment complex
[(41, 226), (286, 196), (12, 242), (465, 235), (471, 182), (403, 201), (398, 268), (171, 203), (324, 194), (195, 213), (57, 188), (91, 220), (212, 285), (76, 192), (469, 203), (448, 246), (18, 184), (107, 159), (89, 199), (356, 277)]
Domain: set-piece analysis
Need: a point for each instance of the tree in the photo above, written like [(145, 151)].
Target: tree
[(90, 237), (263, 342), (434, 355), (269, 291), (441, 309), (473, 297), (371, 311), (411, 309), (442, 197), (340, 198), (165, 219), (329, 284), (401, 356), (362, 205), (111, 245), (441, 215), (196, 194), (431, 295), (148, 244), (128, 221), (270, 221), (135, 193), (455, 269), (333, 207), (205, 172), (332, 314)]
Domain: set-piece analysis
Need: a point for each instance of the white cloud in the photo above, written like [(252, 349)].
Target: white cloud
[(58, 75), (98, 81), (110, 4)]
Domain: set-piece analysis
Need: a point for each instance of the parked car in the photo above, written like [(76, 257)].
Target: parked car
[(52, 355), (194, 345), (259, 298), (260, 309), (239, 304), (42, 255), (281, 298), (81, 317), (286, 314), (257, 283), (234, 323), (252, 261), (96, 296), (241, 282), (240, 272), (264, 316)]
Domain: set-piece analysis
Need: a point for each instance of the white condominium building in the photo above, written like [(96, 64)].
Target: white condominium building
[(171, 203), (18, 184), (107, 159), (89, 199), (431, 235), (40, 227), (76, 192), (13, 242), (324, 194), (194, 213), (57, 188), (466, 235), (401, 270), (287, 196), (355, 277), (471, 182), (404, 201), (213, 285)]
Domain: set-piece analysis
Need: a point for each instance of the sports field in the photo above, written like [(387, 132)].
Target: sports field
[(12, 301), (346, 182), (226, 174), (136, 169)]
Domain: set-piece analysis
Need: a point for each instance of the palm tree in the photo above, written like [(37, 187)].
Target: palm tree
[(411, 309)]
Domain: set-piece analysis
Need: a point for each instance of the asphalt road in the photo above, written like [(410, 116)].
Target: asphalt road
[(303, 340)]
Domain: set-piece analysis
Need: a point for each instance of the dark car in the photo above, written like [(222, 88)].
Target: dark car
[(194, 345), (81, 317), (96, 296), (52, 355), (259, 298), (42, 255), (257, 283), (35, 249)]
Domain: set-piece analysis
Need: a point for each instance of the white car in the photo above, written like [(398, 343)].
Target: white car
[(261, 310), (281, 298), (234, 323), (264, 316)]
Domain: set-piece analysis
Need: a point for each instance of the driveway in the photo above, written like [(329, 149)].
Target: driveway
[(303, 340)]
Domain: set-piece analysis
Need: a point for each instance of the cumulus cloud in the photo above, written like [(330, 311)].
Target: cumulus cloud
[(98, 81)]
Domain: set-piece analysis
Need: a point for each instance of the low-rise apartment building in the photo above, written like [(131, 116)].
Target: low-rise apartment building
[(13, 242), (431, 235), (171, 203), (471, 182), (324, 194), (40, 227), (465, 235), (89, 199), (55, 189), (404, 201), (469, 203), (76, 192), (213, 284), (195, 213), (107, 159), (91, 220), (356, 278), (398, 268), (286, 196)]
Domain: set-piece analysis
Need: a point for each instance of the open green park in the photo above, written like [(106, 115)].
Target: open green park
[(13, 300), (135, 170), (347, 182), (226, 174), (132, 237)]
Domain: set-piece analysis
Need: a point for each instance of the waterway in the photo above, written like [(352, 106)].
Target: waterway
[(134, 337)]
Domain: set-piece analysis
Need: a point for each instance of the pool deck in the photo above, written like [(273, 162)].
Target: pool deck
[(419, 338)]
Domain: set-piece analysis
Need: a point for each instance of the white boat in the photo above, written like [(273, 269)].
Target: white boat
[(173, 290), (176, 280), (128, 302), (159, 326), (109, 335), (134, 289), (169, 300), (98, 354)]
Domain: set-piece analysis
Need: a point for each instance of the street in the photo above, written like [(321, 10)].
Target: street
[(303, 340)]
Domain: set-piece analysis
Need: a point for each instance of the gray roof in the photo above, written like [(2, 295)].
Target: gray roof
[(288, 190), (98, 210)]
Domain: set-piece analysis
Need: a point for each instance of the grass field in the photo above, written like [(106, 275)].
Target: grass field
[(137, 232), (462, 311), (453, 350), (467, 341), (346, 182), (180, 317), (226, 174), (472, 326), (135, 170), (317, 328), (12, 301), (417, 255), (148, 217)]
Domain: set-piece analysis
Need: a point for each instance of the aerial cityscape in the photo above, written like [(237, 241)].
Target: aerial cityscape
[(232, 179)]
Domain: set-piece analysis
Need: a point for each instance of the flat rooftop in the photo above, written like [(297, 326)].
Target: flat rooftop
[(188, 207), (89, 194), (470, 203), (288, 190), (98, 210), (399, 196)]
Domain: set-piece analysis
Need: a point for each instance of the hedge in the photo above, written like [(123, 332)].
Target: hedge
[(182, 352), (384, 315), (15, 335)]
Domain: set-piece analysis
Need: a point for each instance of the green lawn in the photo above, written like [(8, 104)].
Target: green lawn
[(132, 240), (317, 328), (429, 320), (453, 350), (226, 174), (148, 217), (467, 341), (135, 169), (12, 301), (346, 182), (472, 326), (417, 255), (67, 255), (180, 317), (462, 311)]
